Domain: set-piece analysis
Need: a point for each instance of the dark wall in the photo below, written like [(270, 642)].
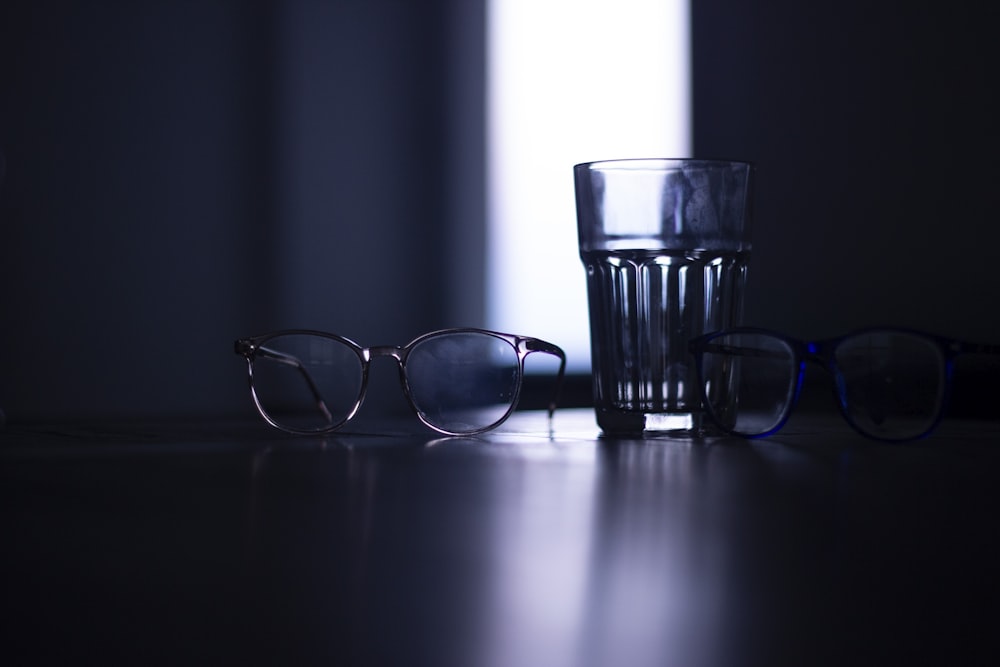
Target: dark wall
[(182, 173), (873, 126)]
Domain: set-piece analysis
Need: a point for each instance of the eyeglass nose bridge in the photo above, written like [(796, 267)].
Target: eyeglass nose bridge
[(394, 351), (368, 354)]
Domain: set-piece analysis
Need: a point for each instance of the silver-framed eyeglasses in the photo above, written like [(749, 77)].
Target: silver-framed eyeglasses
[(890, 384), (457, 381)]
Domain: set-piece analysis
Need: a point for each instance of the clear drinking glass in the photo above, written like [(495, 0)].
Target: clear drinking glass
[(665, 244)]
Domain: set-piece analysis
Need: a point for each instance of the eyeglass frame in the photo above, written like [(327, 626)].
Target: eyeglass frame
[(523, 347), (821, 352)]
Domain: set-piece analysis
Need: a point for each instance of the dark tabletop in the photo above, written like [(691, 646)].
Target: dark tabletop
[(229, 543)]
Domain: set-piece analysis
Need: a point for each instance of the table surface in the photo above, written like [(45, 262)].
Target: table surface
[(228, 543)]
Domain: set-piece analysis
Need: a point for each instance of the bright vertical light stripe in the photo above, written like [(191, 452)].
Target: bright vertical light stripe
[(570, 81)]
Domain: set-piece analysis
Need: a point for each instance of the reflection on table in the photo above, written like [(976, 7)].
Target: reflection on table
[(386, 544)]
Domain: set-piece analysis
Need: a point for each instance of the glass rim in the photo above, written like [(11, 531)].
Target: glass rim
[(659, 164)]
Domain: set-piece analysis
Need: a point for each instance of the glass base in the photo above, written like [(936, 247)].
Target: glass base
[(621, 423)]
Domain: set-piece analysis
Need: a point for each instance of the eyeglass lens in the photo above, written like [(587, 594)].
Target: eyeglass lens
[(890, 384), (306, 382), (459, 382), (749, 381)]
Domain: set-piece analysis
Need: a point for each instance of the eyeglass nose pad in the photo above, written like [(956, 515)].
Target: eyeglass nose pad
[(840, 387)]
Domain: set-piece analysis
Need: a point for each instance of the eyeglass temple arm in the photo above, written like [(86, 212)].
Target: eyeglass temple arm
[(537, 345), (957, 347), (294, 362), (719, 348), (976, 348)]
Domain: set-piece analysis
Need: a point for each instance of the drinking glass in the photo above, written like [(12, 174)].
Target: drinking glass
[(665, 244)]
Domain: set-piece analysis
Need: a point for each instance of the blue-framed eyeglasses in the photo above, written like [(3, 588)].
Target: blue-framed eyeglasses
[(458, 381), (890, 384)]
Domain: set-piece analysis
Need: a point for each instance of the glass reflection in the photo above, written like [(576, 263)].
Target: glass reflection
[(507, 550), (648, 599)]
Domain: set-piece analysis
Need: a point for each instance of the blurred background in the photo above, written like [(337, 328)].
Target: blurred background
[(180, 173)]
